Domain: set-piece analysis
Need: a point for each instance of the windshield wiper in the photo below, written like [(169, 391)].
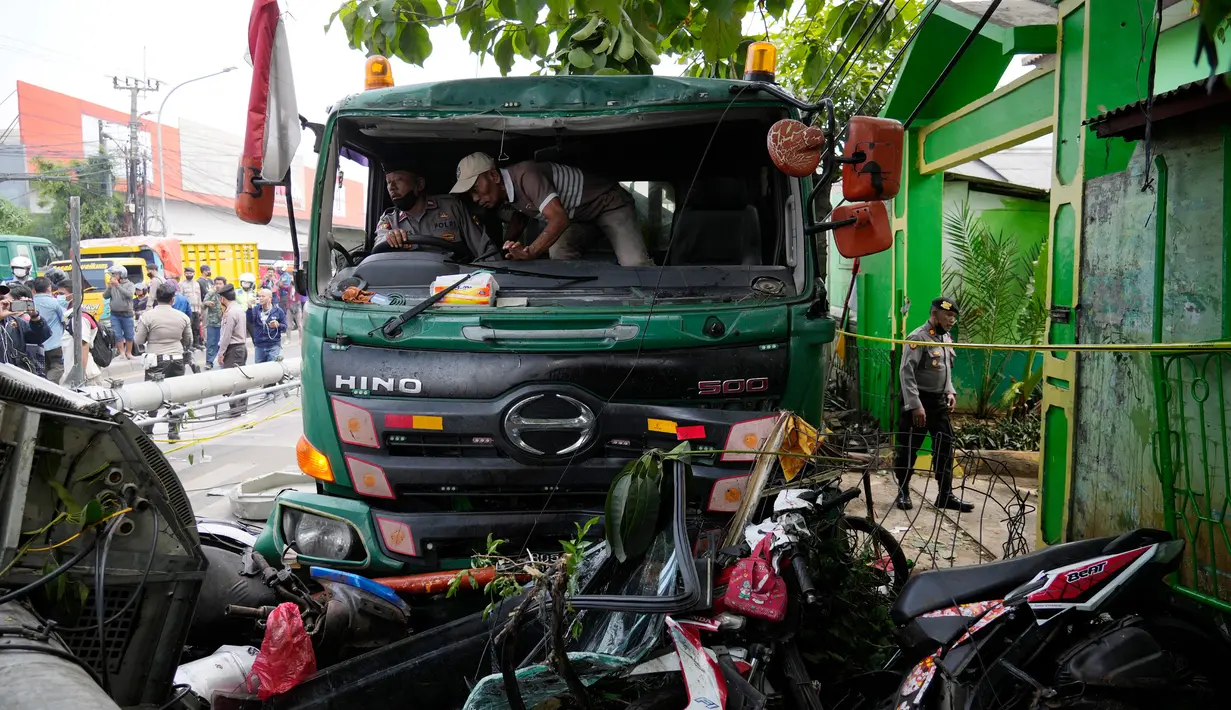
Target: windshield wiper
[(393, 327), (518, 272)]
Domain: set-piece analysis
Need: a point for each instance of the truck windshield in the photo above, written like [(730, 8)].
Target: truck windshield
[(717, 221)]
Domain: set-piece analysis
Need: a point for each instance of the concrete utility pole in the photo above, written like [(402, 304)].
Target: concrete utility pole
[(77, 375), (134, 86), (102, 150)]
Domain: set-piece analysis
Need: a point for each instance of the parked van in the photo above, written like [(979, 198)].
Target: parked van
[(40, 251)]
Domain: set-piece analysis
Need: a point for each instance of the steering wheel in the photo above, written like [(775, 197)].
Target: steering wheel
[(458, 250), (350, 260)]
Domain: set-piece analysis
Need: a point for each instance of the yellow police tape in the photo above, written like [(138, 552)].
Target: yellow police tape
[(1212, 346)]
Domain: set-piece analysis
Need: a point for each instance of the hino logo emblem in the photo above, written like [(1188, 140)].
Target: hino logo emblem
[(516, 425), (359, 383)]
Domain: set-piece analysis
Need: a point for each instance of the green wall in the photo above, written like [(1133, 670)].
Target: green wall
[(1115, 485), (1176, 49)]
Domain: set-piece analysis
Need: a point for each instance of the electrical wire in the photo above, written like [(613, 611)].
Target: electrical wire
[(100, 575), (149, 565), (43, 580), (76, 535), (961, 51)]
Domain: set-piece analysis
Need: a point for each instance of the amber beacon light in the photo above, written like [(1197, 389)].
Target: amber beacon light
[(377, 74), (761, 62)]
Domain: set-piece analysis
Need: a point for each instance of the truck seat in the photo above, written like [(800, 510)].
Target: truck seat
[(717, 226)]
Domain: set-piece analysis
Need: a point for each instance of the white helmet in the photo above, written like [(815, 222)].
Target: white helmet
[(247, 278), (23, 264), (279, 265)]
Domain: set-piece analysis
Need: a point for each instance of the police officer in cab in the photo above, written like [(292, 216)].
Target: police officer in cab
[(928, 397), (417, 221)]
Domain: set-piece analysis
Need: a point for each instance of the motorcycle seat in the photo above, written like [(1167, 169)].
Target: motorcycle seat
[(940, 589)]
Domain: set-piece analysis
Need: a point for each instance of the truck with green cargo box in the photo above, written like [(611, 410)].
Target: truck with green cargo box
[(429, 428)]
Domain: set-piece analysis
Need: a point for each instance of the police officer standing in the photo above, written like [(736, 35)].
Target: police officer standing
[(928, 397), (444, 219), (166, 335)]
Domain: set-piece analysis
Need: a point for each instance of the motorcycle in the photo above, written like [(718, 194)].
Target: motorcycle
[(743, 652), (1087, 624)]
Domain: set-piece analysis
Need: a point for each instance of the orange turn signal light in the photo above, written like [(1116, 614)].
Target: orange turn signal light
[(377, 74), (312, 462)]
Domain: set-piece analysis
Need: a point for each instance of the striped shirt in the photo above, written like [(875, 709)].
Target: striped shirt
[(531, 185)]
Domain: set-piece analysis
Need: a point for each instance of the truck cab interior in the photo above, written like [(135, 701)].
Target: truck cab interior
[(719, 221)]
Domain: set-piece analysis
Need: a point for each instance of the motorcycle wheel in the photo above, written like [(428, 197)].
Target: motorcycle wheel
[(882, 544)]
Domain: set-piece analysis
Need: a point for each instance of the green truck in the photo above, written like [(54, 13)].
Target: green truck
[(512, 419)]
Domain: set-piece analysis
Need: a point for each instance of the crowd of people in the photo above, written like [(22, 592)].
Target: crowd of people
[(162, 320)]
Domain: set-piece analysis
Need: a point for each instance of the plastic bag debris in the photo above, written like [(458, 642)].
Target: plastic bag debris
[(286, 658)]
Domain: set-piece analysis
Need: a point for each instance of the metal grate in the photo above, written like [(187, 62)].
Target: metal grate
[(1191, 399), (85, 644), (171, 485)]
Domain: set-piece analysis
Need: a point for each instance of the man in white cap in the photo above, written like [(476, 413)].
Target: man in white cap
[(570, 201)]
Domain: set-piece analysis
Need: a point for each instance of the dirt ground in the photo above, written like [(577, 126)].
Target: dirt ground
[(1001, 525)]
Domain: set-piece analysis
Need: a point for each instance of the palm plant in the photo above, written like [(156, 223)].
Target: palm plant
[(994, 282)]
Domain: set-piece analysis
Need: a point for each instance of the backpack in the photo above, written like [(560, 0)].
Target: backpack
[(102, 350)]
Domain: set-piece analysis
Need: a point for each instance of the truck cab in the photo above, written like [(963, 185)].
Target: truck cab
[(429, 428)]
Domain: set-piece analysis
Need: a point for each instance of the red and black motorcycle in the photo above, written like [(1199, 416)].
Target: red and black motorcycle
[(1087, 624)]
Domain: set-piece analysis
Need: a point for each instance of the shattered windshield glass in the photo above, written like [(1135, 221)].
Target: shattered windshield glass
[(610, 641)]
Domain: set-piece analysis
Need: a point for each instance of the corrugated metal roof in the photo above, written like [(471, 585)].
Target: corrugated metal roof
[(1192, 88)]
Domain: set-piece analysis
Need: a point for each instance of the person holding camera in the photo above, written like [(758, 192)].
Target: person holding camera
[(20, 325)]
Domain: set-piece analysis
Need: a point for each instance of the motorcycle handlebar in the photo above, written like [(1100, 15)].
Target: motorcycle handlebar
[(840, 500)]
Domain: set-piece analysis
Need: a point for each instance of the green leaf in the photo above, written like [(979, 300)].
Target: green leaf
[(608, 71), (93, 512), (587, 30), (718, 8), (558, 10), (720, 38), (610, 9), (504, 54), (528, 11), (776, 8), (507, 8), (673, 13), (385, 10), (632, 511), (414, 46), (576, 629), (538, 40), (71, 505)]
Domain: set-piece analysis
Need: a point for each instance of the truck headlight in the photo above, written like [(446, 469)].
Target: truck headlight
[(321, 537)]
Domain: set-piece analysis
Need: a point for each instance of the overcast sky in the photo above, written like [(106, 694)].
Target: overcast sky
[(76, 46)]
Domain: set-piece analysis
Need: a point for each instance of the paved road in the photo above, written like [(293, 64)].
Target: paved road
[(213, 456)]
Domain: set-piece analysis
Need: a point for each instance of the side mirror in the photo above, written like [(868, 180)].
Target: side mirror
[(795, 148), (873, 159), (861, 229), (254, 201)]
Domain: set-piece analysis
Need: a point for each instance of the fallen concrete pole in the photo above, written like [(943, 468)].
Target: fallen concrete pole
[(147, 396)]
